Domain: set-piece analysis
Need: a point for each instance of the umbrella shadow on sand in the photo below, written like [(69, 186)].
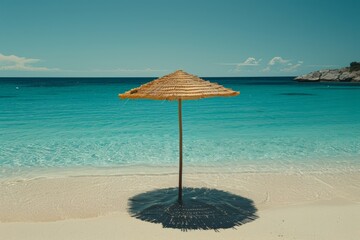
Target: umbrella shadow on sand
[(200, 209)]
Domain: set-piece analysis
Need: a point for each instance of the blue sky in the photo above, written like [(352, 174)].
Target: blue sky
[(152, 38)]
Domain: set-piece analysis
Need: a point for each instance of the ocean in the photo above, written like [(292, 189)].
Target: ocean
[(275, 124)]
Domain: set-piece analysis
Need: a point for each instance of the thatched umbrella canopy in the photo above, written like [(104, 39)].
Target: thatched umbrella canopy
[(178, 85)]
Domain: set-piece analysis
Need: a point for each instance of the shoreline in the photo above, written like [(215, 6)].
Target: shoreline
[(72, 197), (275, 167)]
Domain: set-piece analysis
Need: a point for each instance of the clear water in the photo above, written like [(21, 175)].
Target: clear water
[(274, 124)]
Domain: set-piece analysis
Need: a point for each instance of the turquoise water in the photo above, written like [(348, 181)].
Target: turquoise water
[(275, 123)]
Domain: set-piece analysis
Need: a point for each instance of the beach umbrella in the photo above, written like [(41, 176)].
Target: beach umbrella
[(179, 86)]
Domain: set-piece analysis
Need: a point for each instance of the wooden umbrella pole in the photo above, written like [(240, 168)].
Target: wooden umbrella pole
[(180, 153)]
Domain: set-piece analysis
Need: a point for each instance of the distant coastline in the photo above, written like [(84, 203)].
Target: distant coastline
[(346, 74)]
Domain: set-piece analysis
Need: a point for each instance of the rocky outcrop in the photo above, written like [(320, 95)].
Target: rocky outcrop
[(331, 75)]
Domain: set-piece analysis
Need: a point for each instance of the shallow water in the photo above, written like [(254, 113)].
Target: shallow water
[(274, 124)]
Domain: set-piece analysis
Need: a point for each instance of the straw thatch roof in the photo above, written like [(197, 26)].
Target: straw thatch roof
[(178, 85)]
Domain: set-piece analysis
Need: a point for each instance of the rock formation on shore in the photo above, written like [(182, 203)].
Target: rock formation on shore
[(347, 74)]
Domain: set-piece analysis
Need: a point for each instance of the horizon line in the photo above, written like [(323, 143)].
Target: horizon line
[(160, 76)]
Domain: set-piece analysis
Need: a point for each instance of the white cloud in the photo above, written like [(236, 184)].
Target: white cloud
[(277, 60), (249, 62), (282, 65), (275, 65), (16, 59), (292, 67), (15, 63)]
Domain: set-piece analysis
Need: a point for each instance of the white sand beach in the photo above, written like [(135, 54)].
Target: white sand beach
[(311, 205)]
